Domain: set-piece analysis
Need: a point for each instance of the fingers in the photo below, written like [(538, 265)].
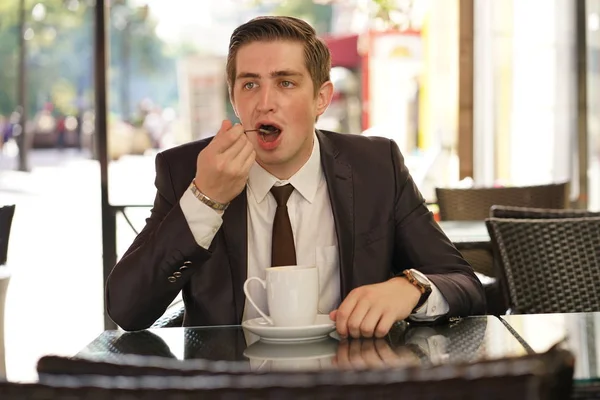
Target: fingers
[(227, 136), (248, 156), (239, 156), (385, 324), (369, 355), (350, 355), (333, 315), (341, 359), (343, 313), (355, 355), (369, 322), (356, 318), (235, 148), (364, 321), (246, 151), (386, 354), (362, 354), (225, 126)]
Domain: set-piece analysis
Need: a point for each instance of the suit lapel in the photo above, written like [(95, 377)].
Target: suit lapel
[(341, 194), (235, 228)]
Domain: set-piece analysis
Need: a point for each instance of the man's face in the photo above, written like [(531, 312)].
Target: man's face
[(273, 90)]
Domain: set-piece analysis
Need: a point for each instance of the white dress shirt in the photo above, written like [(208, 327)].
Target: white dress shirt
[(313, 226)]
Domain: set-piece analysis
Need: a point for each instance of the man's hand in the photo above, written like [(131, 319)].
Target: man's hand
[(371, 310), (223, 166), (372, 354)]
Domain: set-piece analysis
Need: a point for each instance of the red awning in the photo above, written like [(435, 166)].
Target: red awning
[(344, 50)]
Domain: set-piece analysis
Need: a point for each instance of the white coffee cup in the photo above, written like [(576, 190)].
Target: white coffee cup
[(292, 295)]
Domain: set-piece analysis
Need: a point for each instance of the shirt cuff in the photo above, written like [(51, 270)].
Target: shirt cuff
[(435, 306), (204, 222), (430, 342)]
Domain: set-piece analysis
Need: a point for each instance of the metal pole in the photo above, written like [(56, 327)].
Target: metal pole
[(22, 142), (109, 248), (582, 105)]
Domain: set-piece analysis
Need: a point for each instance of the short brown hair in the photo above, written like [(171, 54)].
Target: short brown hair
[(317, 57)]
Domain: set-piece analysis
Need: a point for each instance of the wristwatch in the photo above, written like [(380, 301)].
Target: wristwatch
[(207, 200), (419, 281)]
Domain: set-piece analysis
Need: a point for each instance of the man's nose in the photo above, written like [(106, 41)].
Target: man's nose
[(267, 100)]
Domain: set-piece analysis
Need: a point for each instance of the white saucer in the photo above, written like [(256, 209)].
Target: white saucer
[(305, 350), (320, 329)]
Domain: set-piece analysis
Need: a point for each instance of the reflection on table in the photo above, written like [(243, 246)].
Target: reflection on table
[(581, 332), (469, 339)]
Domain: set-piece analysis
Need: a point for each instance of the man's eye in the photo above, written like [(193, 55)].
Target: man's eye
[(286, 84), (248, 85)]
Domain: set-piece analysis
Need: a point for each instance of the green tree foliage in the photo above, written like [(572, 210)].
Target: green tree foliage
[(60, 61), (318, 15), (8, 57), (52, 47)]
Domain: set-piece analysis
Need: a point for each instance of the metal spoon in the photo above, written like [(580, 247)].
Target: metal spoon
[(265, 131)]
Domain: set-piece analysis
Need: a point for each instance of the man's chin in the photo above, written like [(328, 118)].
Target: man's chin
[(265, 159)]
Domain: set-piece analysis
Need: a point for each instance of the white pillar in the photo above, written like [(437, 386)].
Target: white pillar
[(543, 108)]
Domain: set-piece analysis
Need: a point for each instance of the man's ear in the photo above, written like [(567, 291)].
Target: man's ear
[(324, 97)]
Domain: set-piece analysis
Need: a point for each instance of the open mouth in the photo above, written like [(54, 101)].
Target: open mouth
[(268, 133)]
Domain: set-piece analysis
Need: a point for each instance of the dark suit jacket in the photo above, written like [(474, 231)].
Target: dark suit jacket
[(382, 223)]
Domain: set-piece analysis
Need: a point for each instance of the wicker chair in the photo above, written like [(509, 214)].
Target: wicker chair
[(474, 204), (532, 213), (549, 265), (538, 376), (225, 343), (136, 365), (538, 213), (173, 317)]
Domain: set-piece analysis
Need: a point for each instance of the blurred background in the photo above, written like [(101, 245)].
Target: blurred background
[(475, 92)]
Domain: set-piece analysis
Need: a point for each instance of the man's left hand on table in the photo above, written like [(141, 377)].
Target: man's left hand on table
[(371, 310)]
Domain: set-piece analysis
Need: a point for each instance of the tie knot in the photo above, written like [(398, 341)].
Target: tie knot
[(282, 194)]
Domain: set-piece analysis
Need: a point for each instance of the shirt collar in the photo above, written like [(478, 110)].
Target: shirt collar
[(305, 181)]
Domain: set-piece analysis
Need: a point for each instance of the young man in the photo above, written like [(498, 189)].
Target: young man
[(353, 209)]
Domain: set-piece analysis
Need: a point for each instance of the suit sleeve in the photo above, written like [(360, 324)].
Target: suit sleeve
[(422, 245), (150, 275)]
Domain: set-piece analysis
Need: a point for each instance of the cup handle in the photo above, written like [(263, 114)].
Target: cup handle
[(264, 285)]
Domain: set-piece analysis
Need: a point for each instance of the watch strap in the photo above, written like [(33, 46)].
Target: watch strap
[(424, 288)]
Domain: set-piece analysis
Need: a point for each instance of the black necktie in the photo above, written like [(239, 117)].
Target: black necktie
[(283, 251)]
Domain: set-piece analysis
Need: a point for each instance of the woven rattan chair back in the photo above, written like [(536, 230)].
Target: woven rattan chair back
[(474, 204), (536, 376), (549, 265), (538, 213)]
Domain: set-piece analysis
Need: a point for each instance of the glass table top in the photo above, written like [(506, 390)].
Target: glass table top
[(466, 233), (467, 340), (579, 331)]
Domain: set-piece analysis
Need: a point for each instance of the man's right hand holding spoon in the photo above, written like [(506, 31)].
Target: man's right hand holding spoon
[(222, 168)]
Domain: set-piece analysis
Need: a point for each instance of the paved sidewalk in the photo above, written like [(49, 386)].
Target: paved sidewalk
[(55, 297)]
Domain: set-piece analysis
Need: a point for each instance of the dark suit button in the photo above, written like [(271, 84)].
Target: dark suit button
[(187, 263), (177, 274), (183, 267), (171, 279)]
